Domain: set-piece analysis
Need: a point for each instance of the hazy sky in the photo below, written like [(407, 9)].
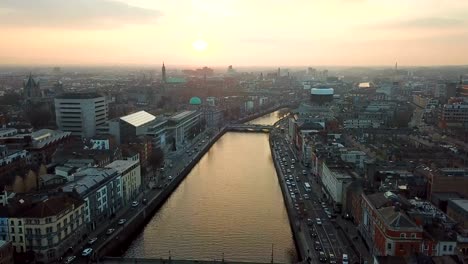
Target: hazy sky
[(237, 32)]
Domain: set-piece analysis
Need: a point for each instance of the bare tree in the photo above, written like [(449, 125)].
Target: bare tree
[(156, 159)]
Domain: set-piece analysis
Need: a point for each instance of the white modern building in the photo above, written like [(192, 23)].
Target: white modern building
[(182, 126), (335, 181), (81, 113)]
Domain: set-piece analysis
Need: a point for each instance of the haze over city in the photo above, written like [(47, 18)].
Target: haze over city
[(223, 32)]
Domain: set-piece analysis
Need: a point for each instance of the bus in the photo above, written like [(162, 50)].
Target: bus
[(307, 186)]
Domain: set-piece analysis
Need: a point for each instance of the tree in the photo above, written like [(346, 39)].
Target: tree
[(156, 159), (38, 116)]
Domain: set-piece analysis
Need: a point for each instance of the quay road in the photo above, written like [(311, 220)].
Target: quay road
[(180, 160), (317, 228)]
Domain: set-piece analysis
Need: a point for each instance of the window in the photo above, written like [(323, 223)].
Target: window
[(450, 248), (403, 235), (37, 231), (20, 230), (49, 241), (389, 246), (39, 242), (19, 222), (444, 248), (13, 230), (13, 238), (59, 225), (413, 235), (21, 239)]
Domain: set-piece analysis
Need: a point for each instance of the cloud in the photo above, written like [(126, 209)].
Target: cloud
[(427, 22), (73, 13)]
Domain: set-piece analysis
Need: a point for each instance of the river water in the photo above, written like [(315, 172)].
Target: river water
[(230, 203)]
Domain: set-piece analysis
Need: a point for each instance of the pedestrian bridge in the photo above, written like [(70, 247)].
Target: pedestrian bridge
[(249, 128)]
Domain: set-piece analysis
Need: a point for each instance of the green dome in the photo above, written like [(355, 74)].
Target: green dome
[(195, 101)]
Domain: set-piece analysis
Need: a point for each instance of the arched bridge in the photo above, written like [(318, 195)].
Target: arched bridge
[(249, 128)]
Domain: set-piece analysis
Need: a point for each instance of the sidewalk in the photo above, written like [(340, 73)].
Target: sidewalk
[(355, 240)]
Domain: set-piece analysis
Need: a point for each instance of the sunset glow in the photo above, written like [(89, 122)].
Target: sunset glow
[(300, 32), (200, 45)]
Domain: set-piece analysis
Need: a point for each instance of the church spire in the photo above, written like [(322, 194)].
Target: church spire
[(163, 73)]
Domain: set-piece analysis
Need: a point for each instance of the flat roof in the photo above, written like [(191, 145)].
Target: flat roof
[(179, 116), (79, 96), (462, 203), (122, 165), (139, 118)]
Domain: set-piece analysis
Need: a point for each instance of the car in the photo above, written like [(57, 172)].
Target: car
[(331, 258), (298, 179), (288, 182), (306, 196), (345, 259), (87, 252), (92, 240), (292, 166), (170, 177), (313, 234), (317, 246), (122, 221), (110, 231), (318, 221), (70, 259), (322, 256), (288, 170), (296, 191), (135, 204), (310, 222), (304, 172), (293, 183)]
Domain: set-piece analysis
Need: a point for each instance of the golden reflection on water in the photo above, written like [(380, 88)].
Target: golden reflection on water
[(230, 203)]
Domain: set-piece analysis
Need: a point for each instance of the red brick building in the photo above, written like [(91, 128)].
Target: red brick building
[(386, 229)]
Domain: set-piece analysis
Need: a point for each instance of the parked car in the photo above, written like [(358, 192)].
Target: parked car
[(69, 259), (92, 240), (135, 204), (122, 221), (110, 231), (87, 252)]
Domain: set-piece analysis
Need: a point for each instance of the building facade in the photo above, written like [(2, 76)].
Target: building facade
[(130, 172), (81, 113), (101, 190), (45, 225)]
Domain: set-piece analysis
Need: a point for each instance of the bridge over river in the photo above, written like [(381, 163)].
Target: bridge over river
[(116, 260), (249, 128)]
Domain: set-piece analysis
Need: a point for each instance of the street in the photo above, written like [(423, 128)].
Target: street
[(316, 218)]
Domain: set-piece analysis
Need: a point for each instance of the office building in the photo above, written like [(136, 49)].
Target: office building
[(81, 113)]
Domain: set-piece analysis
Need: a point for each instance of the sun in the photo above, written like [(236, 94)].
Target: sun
[(200, 45)]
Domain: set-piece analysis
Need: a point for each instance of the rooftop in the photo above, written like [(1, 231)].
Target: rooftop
[(88, 179), (179, 116), (138, 118), (79, 96), (461, 203), (122, 165)]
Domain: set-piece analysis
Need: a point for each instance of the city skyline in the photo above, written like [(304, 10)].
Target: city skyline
[(219, 33)]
